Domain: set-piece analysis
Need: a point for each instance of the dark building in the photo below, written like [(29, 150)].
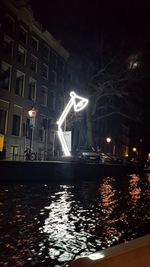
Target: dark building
[(32, 74)]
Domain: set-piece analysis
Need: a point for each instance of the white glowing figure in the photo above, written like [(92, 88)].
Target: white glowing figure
[(78, 103)]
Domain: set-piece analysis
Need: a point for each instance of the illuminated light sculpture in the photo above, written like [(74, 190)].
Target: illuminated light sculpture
[(78, 103)]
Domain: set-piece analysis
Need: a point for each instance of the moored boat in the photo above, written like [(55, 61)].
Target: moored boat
[(135, 253)]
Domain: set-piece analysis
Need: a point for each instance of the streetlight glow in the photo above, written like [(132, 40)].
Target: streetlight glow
[(108, 139), (32, 113)]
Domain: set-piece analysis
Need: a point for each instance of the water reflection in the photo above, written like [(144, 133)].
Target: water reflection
[(134, 188), (59, 225), (50, 225), (67, 226), (107, 217)]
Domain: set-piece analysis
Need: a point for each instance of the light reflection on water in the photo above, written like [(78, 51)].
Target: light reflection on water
[(50, 225)]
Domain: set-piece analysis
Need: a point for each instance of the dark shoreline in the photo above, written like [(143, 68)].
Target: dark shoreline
[(47, 171)]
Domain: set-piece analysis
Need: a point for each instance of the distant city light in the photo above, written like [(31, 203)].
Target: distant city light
[(78, 103), (134, 149)]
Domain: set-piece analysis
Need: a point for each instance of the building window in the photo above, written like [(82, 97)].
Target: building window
[(34, 64), (34, 43), (16, 125), (60, 81), (44, 96), (21, 55), (5, 76), (53, 77), (45, 72), (53, 60), (22, 35), (125, 151), (45, 52), (14, 153), (51, 100), (8, 46), (43, 126), (2, 121), (9, 25), (32, 89), (19, 89), (60, 66)]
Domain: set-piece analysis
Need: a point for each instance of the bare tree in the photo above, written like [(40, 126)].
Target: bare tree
[(112, 92)]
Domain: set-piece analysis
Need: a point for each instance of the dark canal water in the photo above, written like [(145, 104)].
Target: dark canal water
[(51, 224)]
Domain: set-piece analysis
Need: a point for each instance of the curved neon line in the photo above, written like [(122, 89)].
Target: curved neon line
[(82, 102)]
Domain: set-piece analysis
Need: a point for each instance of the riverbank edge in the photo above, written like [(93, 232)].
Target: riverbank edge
[(47, 171)]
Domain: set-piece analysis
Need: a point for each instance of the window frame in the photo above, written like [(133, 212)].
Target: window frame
[(47, 72), (22, 28), (22, 91), (35, 89), (35, 60), (37, 41), (10, 73), (25, 54), (18, 130), (5, 39), (44, 91)]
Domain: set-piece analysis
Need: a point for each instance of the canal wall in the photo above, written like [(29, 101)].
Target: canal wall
[(47, 171)]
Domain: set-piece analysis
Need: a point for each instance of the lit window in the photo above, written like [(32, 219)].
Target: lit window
[(5, 76), (21, 56), (2, 121), (34, 43), (34, 64), (19, 88), (16, 125), (44, 96), (45, 71), (32, 89)]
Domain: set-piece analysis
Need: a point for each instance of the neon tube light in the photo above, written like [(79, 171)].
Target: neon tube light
[(78, 103)]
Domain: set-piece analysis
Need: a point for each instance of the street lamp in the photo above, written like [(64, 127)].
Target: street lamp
[(135, 152), (32, 114), (108, 140)]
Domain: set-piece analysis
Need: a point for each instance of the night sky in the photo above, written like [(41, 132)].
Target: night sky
[(81, 23)]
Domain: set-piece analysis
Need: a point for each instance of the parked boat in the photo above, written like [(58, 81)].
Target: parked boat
[(135, 253)]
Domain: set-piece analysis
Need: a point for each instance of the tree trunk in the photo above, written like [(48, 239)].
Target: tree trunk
[(89, 128)]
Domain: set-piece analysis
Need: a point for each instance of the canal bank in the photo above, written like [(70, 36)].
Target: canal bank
[(47, 171)]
